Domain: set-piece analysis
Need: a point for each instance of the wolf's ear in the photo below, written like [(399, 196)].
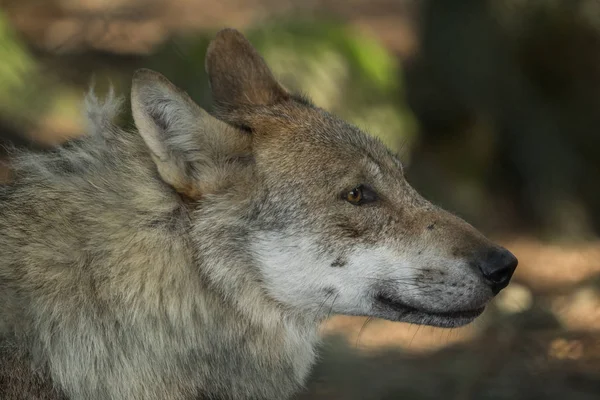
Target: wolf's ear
[(192, 149), (238, 75)]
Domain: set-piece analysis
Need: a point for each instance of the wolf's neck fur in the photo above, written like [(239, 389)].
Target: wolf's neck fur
[(175, 312)]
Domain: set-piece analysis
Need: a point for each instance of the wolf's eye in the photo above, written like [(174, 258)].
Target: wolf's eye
[(360, 195), (355, 195)]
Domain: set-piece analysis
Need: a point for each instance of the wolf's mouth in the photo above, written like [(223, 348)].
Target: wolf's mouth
[(404, 312)]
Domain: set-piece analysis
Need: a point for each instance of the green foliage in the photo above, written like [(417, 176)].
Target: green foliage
[(18, 75), (27, 97)]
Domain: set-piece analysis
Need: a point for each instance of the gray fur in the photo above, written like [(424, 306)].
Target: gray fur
[(20, 379), (97, 250), (194, 259)]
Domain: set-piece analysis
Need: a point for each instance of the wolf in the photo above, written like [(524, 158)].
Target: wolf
[(196, 256)]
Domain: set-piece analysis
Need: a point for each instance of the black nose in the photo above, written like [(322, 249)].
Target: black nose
[(497, 267)]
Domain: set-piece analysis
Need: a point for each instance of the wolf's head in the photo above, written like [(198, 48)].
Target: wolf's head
[(331, 223)]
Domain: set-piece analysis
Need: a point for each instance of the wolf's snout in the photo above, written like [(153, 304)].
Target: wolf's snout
[(497, 266)]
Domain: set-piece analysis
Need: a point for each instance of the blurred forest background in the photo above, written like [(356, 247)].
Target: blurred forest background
[(493, 104)]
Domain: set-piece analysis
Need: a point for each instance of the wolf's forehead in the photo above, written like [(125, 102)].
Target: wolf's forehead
[(379, 160), (373, 168), (325, 136), (351, 143)]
